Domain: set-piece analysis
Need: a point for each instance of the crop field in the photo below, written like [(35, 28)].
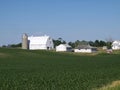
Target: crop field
[(48, 70)]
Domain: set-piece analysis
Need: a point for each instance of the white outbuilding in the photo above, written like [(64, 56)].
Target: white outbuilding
[(105, 48), (40, 42), (63, 48), (116, 45), (85, 49)]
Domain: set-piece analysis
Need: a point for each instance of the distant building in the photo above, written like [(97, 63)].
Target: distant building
[(105, 48), (38, 43), (63, 48), (85, 49), (116, 45)]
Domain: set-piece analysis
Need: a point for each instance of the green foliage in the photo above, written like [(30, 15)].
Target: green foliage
[(16, 45), (58, 42), (100, 43), (12, 45), (72, 44), (109, 45), (47, 70), (96, 43)]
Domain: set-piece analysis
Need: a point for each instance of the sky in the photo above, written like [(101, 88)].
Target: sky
[(69, 19)]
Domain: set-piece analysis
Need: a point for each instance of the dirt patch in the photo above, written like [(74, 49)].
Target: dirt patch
[(115, 83), (112, 86), (3, 55)]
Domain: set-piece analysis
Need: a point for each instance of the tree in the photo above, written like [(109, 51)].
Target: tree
[(58, 42), (97, 43), (72, 44), (102, 43), (77, 42), (91, 43), (109, 41), (109, 45), (15, 45), (4, 46), (83, 42)]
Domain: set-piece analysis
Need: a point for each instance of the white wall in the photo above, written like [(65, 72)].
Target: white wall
[(116, 45), (40, 42), (61, 48), (50, 44), (83, 50), (37, 46)]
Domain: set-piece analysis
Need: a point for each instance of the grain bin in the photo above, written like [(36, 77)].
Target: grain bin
[(24, 41)]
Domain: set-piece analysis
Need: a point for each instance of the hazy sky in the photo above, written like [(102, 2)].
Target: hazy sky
[(70, 19)]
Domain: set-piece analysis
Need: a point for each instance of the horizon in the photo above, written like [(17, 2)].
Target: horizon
[(69, 19)]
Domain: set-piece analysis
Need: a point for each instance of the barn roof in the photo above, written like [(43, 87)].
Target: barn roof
[(117, 41), (38, 39), (84, 47), (66, 45)]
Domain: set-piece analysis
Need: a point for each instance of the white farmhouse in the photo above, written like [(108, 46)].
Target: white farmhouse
[(40, 42), (85, 49), (116, 45), (63, 48)]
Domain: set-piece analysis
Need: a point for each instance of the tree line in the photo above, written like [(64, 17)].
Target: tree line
[(12, 45), (96, 43)]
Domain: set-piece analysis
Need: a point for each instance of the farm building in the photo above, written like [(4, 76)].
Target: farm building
[(116, 45), (64, 48), (37, 42), (24, 41), (85, 49), (105, 48)]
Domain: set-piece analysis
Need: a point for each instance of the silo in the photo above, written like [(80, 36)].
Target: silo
[(24, 41)]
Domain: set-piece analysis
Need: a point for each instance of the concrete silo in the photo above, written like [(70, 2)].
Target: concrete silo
[(24, 41)]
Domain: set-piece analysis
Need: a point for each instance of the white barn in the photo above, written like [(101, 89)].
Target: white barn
[(63, 48), (40, 42), (116, 45), (85, 49)]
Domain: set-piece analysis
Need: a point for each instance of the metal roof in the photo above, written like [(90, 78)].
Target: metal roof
[(84, 47), (38, 39)]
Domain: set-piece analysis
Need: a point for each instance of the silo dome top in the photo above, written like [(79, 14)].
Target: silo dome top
[(24, 35)]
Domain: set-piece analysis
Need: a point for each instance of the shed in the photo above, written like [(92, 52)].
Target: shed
[(105, 48), (85, 49), (64, 48)]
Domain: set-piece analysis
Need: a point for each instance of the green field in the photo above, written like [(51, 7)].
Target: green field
[(48, 70)]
